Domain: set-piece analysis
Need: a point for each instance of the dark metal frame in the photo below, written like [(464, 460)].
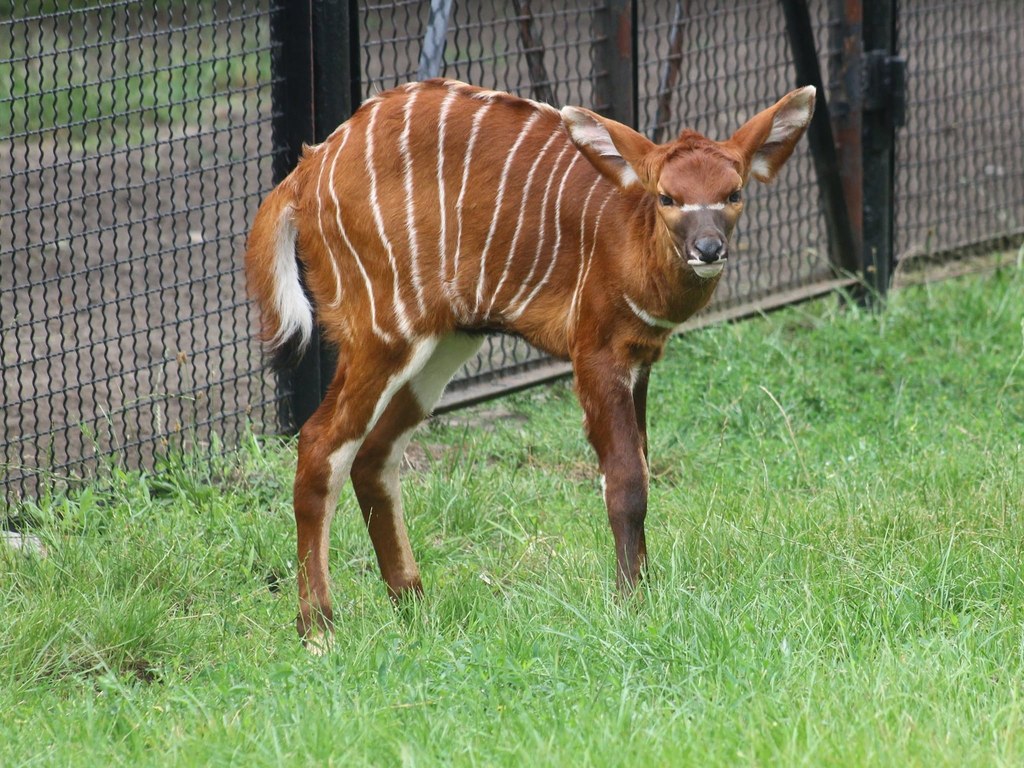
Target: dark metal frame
[(311, 100), (869, 96)]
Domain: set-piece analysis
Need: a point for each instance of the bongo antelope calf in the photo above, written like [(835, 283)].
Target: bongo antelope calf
[(440, 212)]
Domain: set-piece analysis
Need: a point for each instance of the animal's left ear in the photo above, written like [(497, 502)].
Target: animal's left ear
[(767, 140)]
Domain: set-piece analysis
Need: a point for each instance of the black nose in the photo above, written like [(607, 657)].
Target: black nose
[(710, 249)]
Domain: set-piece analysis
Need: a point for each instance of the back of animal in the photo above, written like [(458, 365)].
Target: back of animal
[(441, 205)]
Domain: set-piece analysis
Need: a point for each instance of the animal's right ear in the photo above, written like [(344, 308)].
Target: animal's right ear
[(616, 150)]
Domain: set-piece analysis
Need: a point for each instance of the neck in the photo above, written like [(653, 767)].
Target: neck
[(663, 290)]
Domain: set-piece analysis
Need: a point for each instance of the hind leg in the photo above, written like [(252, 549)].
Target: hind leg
[(328, 443), (376, 467)]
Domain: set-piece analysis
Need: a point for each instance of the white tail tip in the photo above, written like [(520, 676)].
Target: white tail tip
[(294, 312)]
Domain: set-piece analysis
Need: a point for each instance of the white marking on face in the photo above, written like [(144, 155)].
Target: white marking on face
[(558, 242), (654, 322), (410, 201), (704, 269), (522, 214), (693, 208), (497, 205), (378, 331), (540, 233), (401, 314)]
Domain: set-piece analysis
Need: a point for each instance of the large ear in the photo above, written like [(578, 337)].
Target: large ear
[(768, 138), (616, 150)]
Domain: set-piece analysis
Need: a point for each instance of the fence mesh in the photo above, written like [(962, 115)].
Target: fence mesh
[(136, 144), (960, 158), (135, 140)]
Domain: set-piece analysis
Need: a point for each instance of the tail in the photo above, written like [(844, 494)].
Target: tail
[(272, 272)]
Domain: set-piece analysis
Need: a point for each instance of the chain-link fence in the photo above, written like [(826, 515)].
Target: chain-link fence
[(136, 142), (960, 159), (134, 147)]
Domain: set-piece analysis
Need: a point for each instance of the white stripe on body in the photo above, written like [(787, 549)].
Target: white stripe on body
[(515, 314), (574, 305), (654, 322), (522, 214), (523, 132), (593, 245), (442, 240), (449, 285), (401, 314), (410, 207), (540, 233), (378, 331), (320, 221)]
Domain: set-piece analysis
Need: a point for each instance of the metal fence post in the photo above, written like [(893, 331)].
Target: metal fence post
[(843, 241), (337, 93), (616, 83), (291, 90), (845, 112), (315, 63), (883, 103), (868, 98)]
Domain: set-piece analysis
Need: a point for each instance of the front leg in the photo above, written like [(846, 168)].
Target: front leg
[(642, 379), (605, 388)]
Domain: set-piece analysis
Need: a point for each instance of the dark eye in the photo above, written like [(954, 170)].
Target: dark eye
[(736, 196), (666, 200)]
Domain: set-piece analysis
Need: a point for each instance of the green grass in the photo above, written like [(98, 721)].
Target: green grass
[(836, 531)]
